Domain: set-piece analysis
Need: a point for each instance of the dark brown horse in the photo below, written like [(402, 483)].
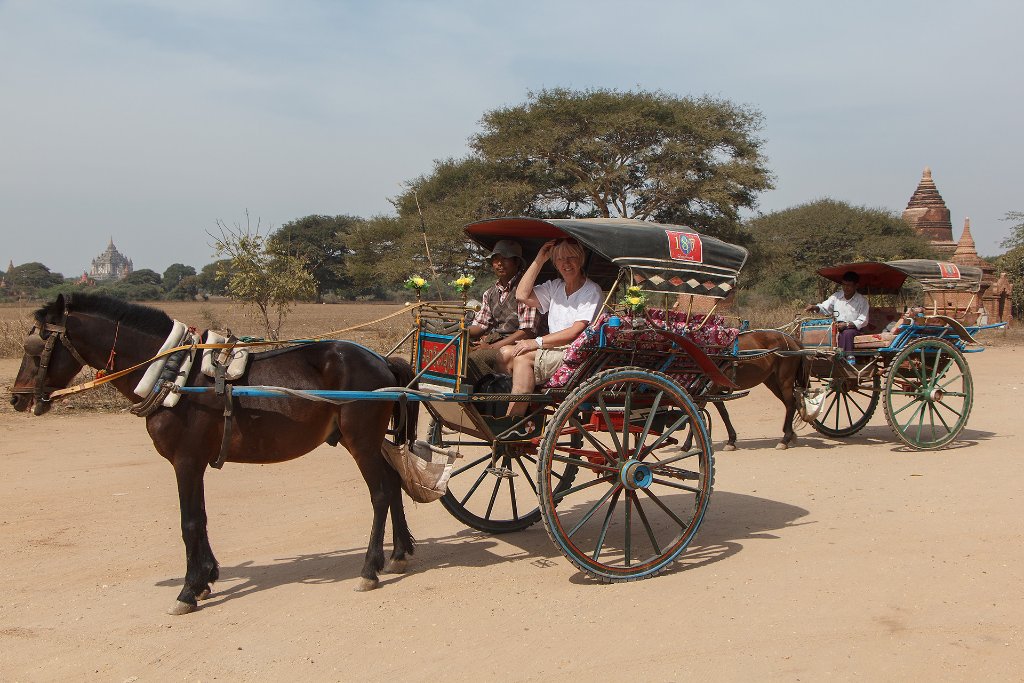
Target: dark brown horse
[(780, 373), (94, 330)]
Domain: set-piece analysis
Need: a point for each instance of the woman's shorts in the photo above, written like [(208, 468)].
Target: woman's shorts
[(546, 362)]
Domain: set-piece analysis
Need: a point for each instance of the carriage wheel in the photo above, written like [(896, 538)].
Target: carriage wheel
[(928, 393), (848, 405), (496, 497), (640, 497)]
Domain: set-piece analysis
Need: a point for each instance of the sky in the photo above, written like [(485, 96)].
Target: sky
[(151, 120)]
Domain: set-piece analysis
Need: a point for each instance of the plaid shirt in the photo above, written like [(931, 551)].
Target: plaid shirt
[(498, 293)]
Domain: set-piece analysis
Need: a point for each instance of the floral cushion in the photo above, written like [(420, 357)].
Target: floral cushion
[(715, 334)]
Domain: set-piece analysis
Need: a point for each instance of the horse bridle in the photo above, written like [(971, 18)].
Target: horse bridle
[(36, 345)]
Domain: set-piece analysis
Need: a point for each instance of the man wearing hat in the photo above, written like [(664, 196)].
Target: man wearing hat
[(501, 319)]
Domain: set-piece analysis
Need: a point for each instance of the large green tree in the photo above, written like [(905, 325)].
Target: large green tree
[(790, 245), (174, 275), (635, 154), (569, 153), (29, 278), (320, 241), (213, 278)]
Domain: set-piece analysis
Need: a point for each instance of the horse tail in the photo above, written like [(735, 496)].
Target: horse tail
[(404, 376), (803, 369)]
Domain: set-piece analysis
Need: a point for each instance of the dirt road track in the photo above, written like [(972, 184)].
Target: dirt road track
[(833, 560)]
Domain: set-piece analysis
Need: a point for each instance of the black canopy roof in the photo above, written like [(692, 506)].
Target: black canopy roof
[(877, 277), (660, 258)]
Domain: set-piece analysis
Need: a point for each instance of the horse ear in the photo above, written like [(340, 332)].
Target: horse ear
[(59, 303)]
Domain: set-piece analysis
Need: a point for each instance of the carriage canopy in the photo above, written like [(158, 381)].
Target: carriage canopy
[(659, 257), (877, 277)]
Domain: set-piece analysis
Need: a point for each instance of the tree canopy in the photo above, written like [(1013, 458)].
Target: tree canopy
[(635, 154), (29, 278), (569, 153), (319, 241), (1016, 236), (792, 244)]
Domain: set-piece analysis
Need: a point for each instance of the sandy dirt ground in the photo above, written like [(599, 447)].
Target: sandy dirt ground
[(832, 560)]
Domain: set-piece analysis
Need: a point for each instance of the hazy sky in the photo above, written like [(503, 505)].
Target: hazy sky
[(150, 120)]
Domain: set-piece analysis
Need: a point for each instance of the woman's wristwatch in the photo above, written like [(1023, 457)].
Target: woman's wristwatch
[(540, 342)]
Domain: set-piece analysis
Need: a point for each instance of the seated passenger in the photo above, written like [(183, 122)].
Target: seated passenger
[(849, 307), (501, 320), (904, 320), (571, 303)]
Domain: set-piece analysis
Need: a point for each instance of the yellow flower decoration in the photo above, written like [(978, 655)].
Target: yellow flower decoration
[(463, 283), (417, 283), (634, 300)]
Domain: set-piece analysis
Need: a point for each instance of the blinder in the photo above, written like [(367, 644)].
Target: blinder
[(38, 347)]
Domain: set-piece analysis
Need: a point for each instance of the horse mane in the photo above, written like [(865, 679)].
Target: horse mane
[(143, 318)]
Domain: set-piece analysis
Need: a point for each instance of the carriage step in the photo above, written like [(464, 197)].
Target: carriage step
[(501, 472)]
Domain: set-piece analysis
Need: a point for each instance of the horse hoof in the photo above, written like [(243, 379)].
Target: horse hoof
[(180, 608), (729, 447), (204, 595), (366, 585), (781, 446), (395, 566)]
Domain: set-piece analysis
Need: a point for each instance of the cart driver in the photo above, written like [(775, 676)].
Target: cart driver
[(501, 320), (850, 309)]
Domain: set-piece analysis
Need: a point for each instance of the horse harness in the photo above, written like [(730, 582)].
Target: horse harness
[(38, 346)]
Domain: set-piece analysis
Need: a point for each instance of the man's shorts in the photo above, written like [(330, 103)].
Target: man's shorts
[(546, 362)]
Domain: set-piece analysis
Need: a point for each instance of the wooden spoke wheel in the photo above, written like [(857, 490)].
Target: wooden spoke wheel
[(493, 486), (639, 497), (928, 393), (848, 404)]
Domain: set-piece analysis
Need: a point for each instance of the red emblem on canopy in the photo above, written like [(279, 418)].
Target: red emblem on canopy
[(949, 271), (684, 246)]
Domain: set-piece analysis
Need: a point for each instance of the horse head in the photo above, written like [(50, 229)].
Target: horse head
[(50, 361)]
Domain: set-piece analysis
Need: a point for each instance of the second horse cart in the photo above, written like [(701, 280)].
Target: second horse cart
[(913, 363)]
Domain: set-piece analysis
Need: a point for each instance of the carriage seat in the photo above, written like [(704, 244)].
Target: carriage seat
[(712, 335), (876, 336)]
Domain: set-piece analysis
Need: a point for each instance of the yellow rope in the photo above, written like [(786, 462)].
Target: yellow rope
[(100, 381)]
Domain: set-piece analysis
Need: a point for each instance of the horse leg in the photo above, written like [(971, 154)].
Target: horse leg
[(403, 543), (785, 393), (200, 565), (730, 445), (371, 465)]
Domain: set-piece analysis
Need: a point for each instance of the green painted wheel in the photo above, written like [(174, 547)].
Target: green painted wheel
[(848, 405), (641, 494), (493, 494), (928, 393)]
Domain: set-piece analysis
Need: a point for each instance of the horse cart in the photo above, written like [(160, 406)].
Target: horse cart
[(604, 465), (914, 363), (614, 454)]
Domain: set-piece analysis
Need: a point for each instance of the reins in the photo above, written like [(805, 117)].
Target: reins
[(100, 380)]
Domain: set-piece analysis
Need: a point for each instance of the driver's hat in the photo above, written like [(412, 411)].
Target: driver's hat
[(506, 249)]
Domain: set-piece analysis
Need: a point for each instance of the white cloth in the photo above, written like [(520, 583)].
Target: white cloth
[(854, 310), (564, 310)]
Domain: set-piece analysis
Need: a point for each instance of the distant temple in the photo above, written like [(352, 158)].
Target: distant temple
[(7, 273), (927, 214), (110, 265)]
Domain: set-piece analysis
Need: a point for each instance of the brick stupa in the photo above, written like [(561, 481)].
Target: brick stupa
[(927, 214)]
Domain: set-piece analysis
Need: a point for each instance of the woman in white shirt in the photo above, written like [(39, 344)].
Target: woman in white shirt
[(571, 303)]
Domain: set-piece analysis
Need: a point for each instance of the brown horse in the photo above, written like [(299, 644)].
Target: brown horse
[(780, 373), (100, 332)]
